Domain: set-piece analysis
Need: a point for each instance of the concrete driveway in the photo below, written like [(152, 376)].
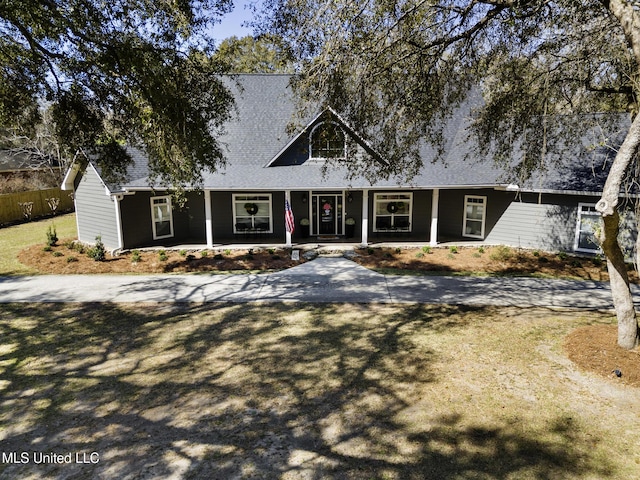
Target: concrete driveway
[(325, 279)]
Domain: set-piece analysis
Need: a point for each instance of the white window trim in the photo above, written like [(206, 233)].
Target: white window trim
[(153, 217), (234, 200), (313, 158), (464, 216), (576, 241), (376, 198)]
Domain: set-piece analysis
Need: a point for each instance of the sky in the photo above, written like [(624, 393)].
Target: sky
[(232, 23)]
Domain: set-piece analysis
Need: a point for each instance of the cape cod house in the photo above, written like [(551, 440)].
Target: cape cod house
[(455, 200)]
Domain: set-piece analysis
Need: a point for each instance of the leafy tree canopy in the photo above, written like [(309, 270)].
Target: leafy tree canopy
[(115, 73), (263, 54), (397, 69)]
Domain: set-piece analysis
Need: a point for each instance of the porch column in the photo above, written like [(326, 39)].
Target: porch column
[(435, 200), (117, 199), (287, 198), (208, 219), (365, 217)]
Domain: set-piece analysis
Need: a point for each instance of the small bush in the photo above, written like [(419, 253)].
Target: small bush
[(536, 253), (58, 254), (597, 260), (227, 252), (419, 255), (71, 259), (387, 255), (543, 260), (80, 248), (480, 250), (398, 250), (98, 252), (135, 257), (453, 249), (576, 263), (183, 253), (52, 236), (162, 256), (47, 248), (271, 251), (370, 251), (70, 244), (426, 249), (562, 255), (501, 253), (204, 254)]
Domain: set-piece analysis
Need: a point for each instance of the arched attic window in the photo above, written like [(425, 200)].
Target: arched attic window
[(327, 140)]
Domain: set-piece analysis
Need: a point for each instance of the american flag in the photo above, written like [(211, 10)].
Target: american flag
[(289, 222)]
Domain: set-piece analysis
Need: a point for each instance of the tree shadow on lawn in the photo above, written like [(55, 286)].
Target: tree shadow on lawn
[(237, 391)]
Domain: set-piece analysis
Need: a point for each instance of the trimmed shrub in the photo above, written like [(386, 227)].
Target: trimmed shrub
[(52, 236), (98, 252)]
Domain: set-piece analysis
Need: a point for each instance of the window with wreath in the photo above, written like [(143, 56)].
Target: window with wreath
[(392, 212), (162, 218), (252, 213), (327, 141)]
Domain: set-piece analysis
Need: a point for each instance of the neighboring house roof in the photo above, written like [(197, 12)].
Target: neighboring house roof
[(258, 136)]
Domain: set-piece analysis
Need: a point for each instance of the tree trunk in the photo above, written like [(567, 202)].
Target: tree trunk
[(628, 332)]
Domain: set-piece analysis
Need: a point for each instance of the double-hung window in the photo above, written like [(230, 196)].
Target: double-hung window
[(588, 221), (162, 217), (252, 213), (475, 213)]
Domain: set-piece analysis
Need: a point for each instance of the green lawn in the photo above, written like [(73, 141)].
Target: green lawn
[(15, 238), (308, 391)]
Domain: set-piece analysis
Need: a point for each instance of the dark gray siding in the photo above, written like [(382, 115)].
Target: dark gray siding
[(95, 210), (420, 217), (188, 222), (222, 213)]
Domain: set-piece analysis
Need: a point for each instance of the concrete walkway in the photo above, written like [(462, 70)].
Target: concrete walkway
[(324, 279)]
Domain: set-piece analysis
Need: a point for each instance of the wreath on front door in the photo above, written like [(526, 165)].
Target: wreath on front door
[(251, 208), (392, 207)]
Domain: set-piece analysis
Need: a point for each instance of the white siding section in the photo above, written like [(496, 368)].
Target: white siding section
[(95, 211)]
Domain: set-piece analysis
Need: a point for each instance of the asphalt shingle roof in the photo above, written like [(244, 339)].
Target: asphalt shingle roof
[(258, 132)]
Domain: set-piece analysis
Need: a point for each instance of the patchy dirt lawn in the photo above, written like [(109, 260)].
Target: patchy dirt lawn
[(309, 392), (592, 348)]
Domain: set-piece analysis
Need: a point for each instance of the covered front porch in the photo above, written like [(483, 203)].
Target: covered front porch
[(359, 217)]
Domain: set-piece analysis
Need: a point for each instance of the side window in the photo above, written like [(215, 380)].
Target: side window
[(326, 141), (588, 222), (162, 217), (474, 216)]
